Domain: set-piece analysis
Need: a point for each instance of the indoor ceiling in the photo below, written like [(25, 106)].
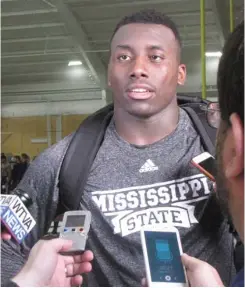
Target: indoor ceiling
[(40, 37)]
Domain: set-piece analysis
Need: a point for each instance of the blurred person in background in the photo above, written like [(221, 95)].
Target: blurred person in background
[(25, 162), (5, 174), (16, 172)]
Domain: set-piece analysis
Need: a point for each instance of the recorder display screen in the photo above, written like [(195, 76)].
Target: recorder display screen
[(75, 221), (164, 257)]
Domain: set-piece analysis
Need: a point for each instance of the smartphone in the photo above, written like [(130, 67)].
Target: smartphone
[(162, 255), (205, 162)]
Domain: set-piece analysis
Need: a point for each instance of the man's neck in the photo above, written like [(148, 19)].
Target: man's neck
[(141, 131)]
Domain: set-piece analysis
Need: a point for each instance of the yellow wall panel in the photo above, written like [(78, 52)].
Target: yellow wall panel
[(53, 130), (70, 123), (17, 132), (20, 131)]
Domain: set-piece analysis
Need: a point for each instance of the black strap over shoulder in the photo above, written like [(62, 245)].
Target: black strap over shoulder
[(79, 158), (206, 132), (192, 105)]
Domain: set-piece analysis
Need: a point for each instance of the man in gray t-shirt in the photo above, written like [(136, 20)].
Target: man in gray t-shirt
[(142, 173), (132, 186)]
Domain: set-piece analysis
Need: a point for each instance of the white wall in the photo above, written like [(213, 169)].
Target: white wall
[(72, 90), (51, 108), (51, 99)]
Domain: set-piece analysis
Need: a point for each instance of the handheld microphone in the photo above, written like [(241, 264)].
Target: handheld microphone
[(15, 216)]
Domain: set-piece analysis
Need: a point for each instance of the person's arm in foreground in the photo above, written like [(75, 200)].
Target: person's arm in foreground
[(200, 273), (47, 267)]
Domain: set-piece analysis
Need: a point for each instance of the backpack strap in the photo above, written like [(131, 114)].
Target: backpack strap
[(79, 158), (207, 133)]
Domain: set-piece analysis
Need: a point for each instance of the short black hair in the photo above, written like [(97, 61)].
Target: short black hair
[(3, 157), (17, 157), (149, 16), (25, 156), (230, 79)]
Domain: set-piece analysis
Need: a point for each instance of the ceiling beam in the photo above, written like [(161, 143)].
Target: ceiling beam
[(92, 60), (28, 12), (33, 74), (221, 17), (24, 64), (93, 4), (39, 53), (31, 26), (34, 39)]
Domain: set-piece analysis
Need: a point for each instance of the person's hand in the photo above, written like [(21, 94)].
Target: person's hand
[(144, 282), (47, 267), (214, 187), (5, 235), (200, 273)]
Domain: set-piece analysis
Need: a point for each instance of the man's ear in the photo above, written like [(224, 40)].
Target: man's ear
[(235, 165), (181, 74)]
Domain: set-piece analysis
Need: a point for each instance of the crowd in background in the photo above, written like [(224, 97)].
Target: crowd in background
[(12, 171)]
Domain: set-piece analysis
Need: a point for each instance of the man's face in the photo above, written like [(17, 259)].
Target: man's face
[(144, 69)]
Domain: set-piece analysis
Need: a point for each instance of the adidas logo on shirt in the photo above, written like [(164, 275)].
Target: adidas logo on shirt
[(148, 166)]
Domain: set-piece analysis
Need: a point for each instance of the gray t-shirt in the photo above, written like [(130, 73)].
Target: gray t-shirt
[(130, 187)]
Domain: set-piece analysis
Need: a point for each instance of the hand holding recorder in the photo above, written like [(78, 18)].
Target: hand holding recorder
[(47, 267)]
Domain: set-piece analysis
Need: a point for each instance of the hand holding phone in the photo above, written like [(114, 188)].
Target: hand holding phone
[(205, 162), (162, 255)]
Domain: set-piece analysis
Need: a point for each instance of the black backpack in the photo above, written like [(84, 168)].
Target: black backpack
[(88, 138)]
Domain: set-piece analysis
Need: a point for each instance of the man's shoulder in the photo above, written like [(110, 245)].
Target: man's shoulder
[(186, 124), (47, 165), (55, 152)]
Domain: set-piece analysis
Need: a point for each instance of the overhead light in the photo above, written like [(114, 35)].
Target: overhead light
[(213, 54), (75, 63)]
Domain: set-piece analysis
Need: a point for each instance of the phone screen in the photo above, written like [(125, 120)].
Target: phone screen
[(209, 165), (164, 257)]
